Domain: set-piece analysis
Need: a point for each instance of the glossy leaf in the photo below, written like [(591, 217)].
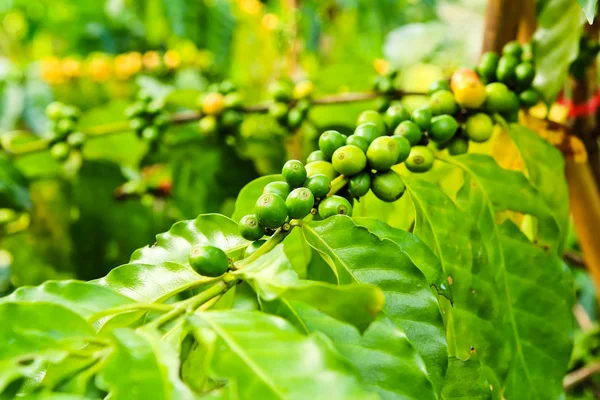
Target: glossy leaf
[(545, 168), (474, 321), (387, 361), (415, 249), (176, 244), (556, 45), (510, 191), (536, 328), (13, 187), (358, 256), (80, 297), (32, 335), (464, 380), (264, 357), (272, 277), (246, 200), (152, 368)]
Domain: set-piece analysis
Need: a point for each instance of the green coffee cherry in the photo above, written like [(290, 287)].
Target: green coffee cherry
[(279, 111), (381, 103), (442, 102), (384, 84), (321, 167), (281, 91), (155, 106), (65, 125), (252, 247), (529, 98), (137, 124), (150, 133), (319, 185), (76, 140), (488, 63), (299, 203), (506, 68), (394, 115), (207, 125), (54, 110), (359, 184), (420, 159), (208, 260), (513, 49), (227, 86), (162, 119), (280, 188), (60, 151), (294, 173), (372, 117), (403, 148), (316, 155), (231, 118), (458, 145), (358, 141), (71, 112), (368, 131), (422, 117), (382, 153), (524, 73), (294, 118), (387, 186), (271, 211), (439, 85), (250, 229), (479, 127), (233, 100), (334, 205), (443, 127), (410, 131), (499, 98), (303, 105), (349, 160), (527, 54), (330, 141)]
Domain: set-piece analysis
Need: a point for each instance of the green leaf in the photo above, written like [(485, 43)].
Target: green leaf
[(246, 200), (13, 187), (358, 256), (175, 245), (589, 8), (538, 328), (32, 335), (507, 190), (556, 45), (152, 368), (264, 357), (415, 249), (387, 361), (83, 298), (464, 380), (545, 170), (474, 321), (272, 277), (152, 283), (396, 214)]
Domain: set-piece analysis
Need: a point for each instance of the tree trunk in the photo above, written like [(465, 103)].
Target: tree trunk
[(501, 23)]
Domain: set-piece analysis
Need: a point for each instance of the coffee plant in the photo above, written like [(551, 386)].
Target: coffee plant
[(399, 258)]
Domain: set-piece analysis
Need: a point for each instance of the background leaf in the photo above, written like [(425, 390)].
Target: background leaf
[(464, 379), (589, 8)]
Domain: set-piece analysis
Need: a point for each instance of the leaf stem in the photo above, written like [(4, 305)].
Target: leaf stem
[(193, 302), (269, 245), (337, 184)]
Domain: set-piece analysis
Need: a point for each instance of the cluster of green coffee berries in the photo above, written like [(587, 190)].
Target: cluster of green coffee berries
[(63, 136), (221, 106), (291, 103), (302, 191), (147, 117)]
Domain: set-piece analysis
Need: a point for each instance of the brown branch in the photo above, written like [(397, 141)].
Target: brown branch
[(528, 22), (575, 259), (576, 377)]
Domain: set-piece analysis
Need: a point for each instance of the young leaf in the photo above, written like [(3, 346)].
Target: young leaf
[(545, 169), (464, 380), (272, 277), (474, 321), (80, 297), (32, 335), (382, 354), (358, 256), (556, 45), (264, 357), (589, 8), (152, 368), (176, 244)]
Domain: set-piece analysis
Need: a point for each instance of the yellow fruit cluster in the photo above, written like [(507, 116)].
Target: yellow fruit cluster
[(101, 67)]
